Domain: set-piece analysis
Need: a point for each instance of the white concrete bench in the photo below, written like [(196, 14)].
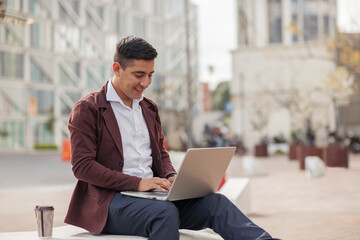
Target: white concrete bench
[(69, 232), (237, 190), (176, 158)]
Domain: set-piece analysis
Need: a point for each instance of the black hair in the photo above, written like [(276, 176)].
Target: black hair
[(130, 48)]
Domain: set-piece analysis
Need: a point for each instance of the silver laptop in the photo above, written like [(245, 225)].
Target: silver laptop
[(199, 174)]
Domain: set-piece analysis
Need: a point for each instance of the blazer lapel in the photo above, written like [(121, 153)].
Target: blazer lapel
[(110, 119), (111, 124)]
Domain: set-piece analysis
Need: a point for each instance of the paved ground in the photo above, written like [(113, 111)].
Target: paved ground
[(285, 202)]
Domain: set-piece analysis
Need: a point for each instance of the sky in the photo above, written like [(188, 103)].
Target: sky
[(217, 34), (217, 37)]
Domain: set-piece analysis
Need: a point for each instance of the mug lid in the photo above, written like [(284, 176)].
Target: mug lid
[(44, 208)]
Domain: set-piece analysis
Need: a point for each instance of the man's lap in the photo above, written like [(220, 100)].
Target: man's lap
[(192, 213), (130, 214)]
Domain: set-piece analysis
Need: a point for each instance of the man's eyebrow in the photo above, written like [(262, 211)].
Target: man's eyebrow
[(142, 72)]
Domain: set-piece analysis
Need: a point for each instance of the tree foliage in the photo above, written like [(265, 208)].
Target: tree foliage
[(220, 96)]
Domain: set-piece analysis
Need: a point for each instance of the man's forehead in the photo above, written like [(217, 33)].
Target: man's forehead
[(142, 66)]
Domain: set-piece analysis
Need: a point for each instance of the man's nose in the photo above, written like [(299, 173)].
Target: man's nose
[(145, 82)]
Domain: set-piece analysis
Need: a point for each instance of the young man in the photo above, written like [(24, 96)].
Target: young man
[(117, 144)]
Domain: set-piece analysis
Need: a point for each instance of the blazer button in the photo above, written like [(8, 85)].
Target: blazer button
[(121, 164)]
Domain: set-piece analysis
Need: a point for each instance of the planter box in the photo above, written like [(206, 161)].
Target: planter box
[(303, 151), (261, 150), (292, 151), (336, 156)]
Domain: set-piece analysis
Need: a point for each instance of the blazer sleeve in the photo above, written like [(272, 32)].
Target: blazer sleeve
[(83, 138)]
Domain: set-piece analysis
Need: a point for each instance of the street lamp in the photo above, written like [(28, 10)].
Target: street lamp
[(6, 16)]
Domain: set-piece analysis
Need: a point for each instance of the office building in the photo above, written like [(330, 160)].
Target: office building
[(67, 52), (280, 67)]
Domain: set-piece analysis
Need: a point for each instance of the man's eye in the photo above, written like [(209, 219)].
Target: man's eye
[(138, 76)]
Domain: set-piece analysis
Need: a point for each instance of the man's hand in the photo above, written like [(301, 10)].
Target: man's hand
[(161, 184)]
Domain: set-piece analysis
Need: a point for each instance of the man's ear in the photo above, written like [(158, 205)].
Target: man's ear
[(116, 68)]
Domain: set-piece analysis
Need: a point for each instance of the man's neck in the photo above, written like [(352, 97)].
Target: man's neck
[(126, 100)]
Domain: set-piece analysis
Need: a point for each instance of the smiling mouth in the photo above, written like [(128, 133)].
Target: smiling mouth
[(139, 90)]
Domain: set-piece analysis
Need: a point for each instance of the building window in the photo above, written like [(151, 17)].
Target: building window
[(66, 106), (39, 73), (325, 13), (67, 39), (114, 19), (36, 8), (16, 5), (63, 13), (275, 26), (70, 73), (159, 6), (311, 31), (12, 65), (94, 12), (158, 31), (95, 75), (43, 135), (139, 26), (44, 100), (15, 135), (12, 36), (294, 19), (41, 35), (124, 19)]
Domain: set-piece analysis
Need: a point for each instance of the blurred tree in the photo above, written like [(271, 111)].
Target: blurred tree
[(220, 96), (259, 112), (346, 50)]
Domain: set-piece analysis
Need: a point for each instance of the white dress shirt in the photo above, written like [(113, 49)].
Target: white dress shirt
[(134, 135)]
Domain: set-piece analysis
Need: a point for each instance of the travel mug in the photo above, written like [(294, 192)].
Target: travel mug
[(44, 218)]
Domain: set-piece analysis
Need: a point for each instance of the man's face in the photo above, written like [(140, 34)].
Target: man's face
[(131, 82)]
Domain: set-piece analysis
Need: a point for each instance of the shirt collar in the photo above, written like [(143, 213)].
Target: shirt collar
[(112, 96)]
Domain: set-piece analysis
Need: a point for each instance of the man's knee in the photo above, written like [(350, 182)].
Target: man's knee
[(217, 199), (166, 211), (165, 214)]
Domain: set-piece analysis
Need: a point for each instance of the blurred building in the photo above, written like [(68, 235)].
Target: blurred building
[(280, 66), (67, 52), (349, 116)]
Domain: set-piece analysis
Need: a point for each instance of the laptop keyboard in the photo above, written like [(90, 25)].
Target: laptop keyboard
[(156, 194)]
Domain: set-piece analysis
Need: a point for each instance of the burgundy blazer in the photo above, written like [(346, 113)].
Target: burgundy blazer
[(97, 158)]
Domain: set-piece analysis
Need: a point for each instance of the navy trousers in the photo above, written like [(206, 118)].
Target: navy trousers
[(162, 219)]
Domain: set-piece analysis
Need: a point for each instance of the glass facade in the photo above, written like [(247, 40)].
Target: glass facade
[(39, 71), (44, 100), (311, 26), (12, 134), (12, 65), (325, 14), (294, 19), (67, 52), (43, 135), (13, 36), (37, 8), (286, 22), (41, 35), (275, 23)]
